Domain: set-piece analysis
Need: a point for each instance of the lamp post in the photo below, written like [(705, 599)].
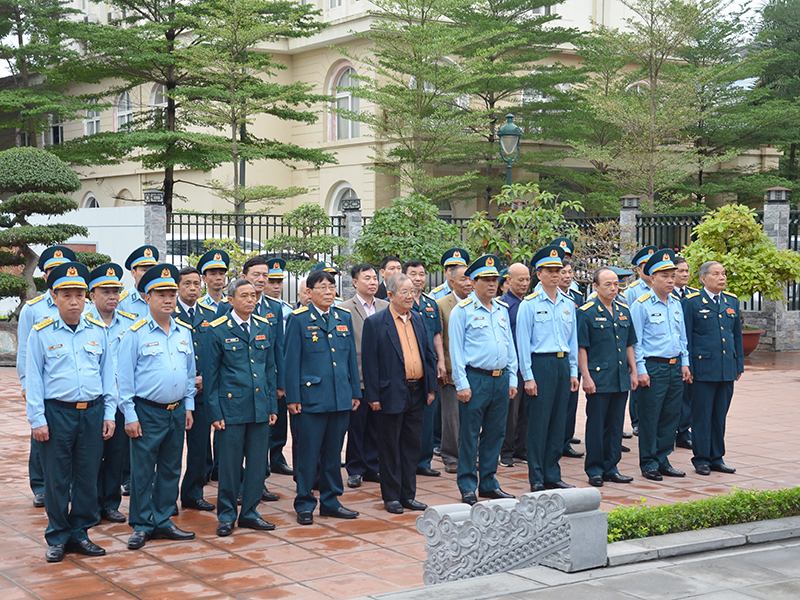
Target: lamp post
[(154, 197), (509, 136), (777, 195)]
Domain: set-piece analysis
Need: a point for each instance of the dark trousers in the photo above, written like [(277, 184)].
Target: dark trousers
[(710, 403), (483, 427), (278, 435), (515, 443), (198, 439), (633, 407), (659, 411), (605, 416), (35, 468), (437, 421), (319, 443), (399, 439), (156, 458), (547, 413), (451, 424), (71, 460), (572, 413), (361, 455), (109, 478), (685, 422), (248, 443), (428, 418)]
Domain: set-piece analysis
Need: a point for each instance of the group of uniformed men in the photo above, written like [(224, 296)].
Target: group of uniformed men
[(113, 387)]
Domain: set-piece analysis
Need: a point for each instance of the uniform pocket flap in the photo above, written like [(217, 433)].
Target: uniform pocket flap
[(310, 380)]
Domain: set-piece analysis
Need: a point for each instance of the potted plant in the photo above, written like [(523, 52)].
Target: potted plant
[(732, 236)]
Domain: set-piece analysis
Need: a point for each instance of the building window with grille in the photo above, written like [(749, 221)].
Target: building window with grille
[(158, 105), (55, 131), (92, 122), (345, 101), (124, 112)]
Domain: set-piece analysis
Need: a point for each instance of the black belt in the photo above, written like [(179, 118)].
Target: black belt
[(75, 405), (170, 406), (413, 382), (555, 354), (667, 361), (495, 373)]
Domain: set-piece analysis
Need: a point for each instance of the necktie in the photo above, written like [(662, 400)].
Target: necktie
[(325, 318), (716, 298), (681, 293), (191, 313), (258, 309), (245, 327)]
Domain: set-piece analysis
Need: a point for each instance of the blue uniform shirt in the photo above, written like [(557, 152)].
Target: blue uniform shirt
[(209, 301), (544, 326), (119, 325), (660, 329), (440, 291), (636, 289), (482, 339), (70, 366), (156, 366), (131, 301)]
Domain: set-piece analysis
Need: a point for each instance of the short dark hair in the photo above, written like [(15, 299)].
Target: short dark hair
[(412, 263), (316, 277), (362, 268), (566, 262), (679, 260), (385, 262), (188, 271), (252, 262)]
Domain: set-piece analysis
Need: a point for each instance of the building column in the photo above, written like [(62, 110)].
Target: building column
[(352, 231)]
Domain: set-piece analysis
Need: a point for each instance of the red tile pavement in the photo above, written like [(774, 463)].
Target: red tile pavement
[(377, 552)]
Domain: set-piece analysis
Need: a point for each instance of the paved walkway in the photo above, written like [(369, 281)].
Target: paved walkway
[(374, 554)]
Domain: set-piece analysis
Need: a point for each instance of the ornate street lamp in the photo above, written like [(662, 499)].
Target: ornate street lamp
[(154, 197), (509, 136)]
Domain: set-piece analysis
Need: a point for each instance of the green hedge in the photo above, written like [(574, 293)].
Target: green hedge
[(740, 506)]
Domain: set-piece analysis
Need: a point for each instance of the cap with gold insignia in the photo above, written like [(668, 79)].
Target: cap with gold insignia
[(214, 259), (643, 255), (321, 266), (159, 277), (141, 257), (455, 256), (661, 260), (107, 275), (485, 266), (622, 275), (503, 275), (277, 268), (54, 256), (565, 244), (549, 256), (69, 275)]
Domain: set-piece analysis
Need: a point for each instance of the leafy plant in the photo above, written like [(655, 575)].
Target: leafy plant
[(236, 255)]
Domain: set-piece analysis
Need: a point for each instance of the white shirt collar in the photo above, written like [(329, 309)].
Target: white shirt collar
[(186, 307), (319, 310), (238, 320)]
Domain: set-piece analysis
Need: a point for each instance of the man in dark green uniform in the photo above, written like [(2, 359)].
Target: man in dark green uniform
[(242, 402)]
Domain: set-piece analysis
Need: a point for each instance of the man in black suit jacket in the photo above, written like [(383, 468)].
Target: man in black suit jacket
[(399, 370)]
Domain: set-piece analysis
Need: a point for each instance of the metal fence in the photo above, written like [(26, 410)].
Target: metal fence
[(793, 289)]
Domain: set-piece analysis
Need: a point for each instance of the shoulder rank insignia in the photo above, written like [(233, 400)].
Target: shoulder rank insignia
[(347, 310), (531, 296), (258, 318), (693, 294), (438, 288), (206, 306), (621, 304), (297, 311), (138, 324), (94, 321), (219, 321), (501, 303), (644, 297), (124, 295), (587, 306), (427, 295), (184, 323), (224, 300), (44, 323), (33, 301), (729, 294), (465, 302), (126, 314)]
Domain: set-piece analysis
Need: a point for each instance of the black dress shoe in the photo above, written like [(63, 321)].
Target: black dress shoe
[(281, 469), (469, 498), (200, 504), (38, 502), (54, 553), (339, 513), (652, 475), (86, 547), (626, 435), (537, 487), (636, 430), (258, 524), (569, 452), (373, 477), (671, 472), (703, 469), (305, 517), (172, 533), (239, 498), (224, 529), (506, 461), (617, 478), (522, 460), (112, 515), (137, 540), (723, 468), (428, 472), (574, 440), (451, 467), (267, 496), (624, 448), (394, 507), (557, 485), (412, 504), (126, 489), (437, 450), (175, 512), (683, 444), (497, 494), (354, 481), (596, 480)]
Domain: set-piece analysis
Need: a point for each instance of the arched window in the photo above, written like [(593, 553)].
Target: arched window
[(341, 192), (346, 128), (158, 104), (124, 112), (92, 122), (90, 201)]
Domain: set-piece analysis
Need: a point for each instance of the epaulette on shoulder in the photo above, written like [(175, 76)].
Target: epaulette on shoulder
[(123, 295), (587, 306), (94, 321), (621, 304), (438, 288), (44, 323), (531, 296), (262, 319), (427, 295), (224, 300), (207, 307), (184, 323), (691, 289), (297, 311), (33, 301), (644, 297), (138, 324), (286, 303), (465, 302), (131, 316), (693, 294), (620, 294), (501, 303), (219, 321), (347, 310), (731, 295)]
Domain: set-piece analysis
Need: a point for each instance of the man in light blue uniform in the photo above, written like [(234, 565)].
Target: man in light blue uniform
[(157, 387), (484, 364), (213, 267), (34, 311), (662, 362), (138, 263), (104, 289), (450, 259), (71, 400), (547, 347)]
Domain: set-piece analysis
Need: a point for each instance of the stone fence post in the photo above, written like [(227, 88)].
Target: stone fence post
[(155, 227), (352, 231), (627, 226)]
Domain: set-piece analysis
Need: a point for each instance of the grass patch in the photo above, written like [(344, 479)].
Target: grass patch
[(740, 506)]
